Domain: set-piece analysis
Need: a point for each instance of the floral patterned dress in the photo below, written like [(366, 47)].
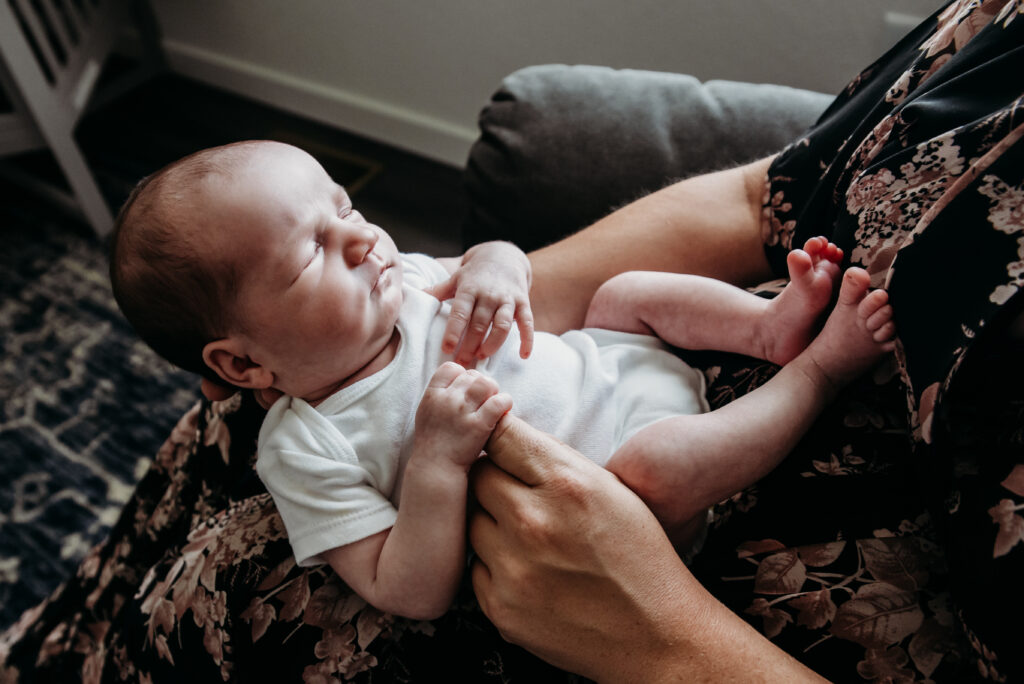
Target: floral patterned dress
[(885, 548), (889, 541)]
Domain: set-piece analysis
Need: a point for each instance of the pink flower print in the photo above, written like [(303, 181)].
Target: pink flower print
[(1006, 214)]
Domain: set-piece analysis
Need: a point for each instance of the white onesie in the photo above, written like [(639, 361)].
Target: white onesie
[(335, 470)]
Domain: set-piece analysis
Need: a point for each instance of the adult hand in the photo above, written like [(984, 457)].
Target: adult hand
[(215, 391), (573, 566)]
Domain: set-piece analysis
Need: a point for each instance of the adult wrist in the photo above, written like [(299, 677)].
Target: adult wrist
[(691, 636)]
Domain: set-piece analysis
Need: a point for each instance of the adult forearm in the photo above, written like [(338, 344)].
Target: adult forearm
[(709, 225), (633, 614), (700, 640)]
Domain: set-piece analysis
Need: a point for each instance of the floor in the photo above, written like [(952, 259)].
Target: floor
[(418, 201)]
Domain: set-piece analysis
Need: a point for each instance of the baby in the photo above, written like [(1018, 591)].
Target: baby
[(248, 264)]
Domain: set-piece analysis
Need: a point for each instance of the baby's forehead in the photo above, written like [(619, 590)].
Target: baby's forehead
[(266, 184)]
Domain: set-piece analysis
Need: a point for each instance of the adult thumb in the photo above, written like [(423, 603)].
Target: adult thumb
[(525, 452)]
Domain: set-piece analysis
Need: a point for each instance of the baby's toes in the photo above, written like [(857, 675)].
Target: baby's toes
[(873, 303), (829, 269), (877, 318), (814, 245), (800, 265), (884, 333), (853, 288), (832, 253)]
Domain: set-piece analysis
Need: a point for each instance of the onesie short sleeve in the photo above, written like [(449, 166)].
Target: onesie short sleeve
[(325, 496)]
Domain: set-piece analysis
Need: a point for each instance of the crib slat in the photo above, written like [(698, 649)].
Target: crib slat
[(37, 36), (60, 33), (69, 20)]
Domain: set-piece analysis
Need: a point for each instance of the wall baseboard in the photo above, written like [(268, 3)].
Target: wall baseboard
[(426, 136)]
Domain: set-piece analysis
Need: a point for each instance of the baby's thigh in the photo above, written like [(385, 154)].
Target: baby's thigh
[(670, 465), (663, 454)]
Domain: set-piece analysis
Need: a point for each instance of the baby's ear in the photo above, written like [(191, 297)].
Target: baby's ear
[(228, 359)]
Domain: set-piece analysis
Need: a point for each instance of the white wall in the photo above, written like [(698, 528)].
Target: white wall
[(414, 73)]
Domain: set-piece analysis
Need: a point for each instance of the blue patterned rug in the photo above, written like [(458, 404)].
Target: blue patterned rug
[(83, 403)]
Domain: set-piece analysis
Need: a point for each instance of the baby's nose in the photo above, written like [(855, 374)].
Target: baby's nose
[(359, 241)]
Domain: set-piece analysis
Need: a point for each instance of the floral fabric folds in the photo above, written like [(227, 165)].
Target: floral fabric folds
[(887, 547)]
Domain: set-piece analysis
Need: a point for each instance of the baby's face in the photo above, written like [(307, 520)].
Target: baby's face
[(320, 287)]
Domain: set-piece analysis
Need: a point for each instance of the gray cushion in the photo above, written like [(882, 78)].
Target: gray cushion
[(561, 146)]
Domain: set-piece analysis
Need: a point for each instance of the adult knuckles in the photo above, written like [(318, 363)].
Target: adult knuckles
[(503, 608), (537, 528), (571, 484)]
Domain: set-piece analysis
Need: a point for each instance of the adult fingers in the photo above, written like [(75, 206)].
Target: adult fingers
[(266, 397), (526, 453), (214, 391), (497, 495), (480, 576), (486, 542)]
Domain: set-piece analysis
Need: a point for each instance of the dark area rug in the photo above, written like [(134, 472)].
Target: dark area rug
[(83, 403)]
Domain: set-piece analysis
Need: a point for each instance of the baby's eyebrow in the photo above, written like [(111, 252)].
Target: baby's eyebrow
[(340, 196)]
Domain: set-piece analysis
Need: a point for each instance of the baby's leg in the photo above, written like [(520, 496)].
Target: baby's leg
[(684, 464), (693, 312)]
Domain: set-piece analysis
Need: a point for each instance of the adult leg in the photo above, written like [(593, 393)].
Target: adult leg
[(561, 147)]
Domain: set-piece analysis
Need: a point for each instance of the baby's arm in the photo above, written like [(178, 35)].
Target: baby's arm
[(414, 568), (489, 288)]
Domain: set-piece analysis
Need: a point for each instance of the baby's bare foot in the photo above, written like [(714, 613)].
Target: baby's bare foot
[(858, 331), (791, 319)]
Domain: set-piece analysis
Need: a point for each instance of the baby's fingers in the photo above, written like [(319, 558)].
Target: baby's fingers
[(458, 321), (474, 388), (479, 324), (492, 410), (501, 326), (444, 375), (444, 290), (524, 317)]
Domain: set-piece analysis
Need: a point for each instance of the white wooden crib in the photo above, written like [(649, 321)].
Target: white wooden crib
[(52, 53)]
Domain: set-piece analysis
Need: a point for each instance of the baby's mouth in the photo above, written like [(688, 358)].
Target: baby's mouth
[(381, 275)]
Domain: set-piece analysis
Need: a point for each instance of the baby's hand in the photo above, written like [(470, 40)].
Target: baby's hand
[(457, 414), (490, 290)]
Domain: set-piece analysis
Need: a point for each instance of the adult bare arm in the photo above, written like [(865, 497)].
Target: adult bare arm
[(708, 225), (572, 566)]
